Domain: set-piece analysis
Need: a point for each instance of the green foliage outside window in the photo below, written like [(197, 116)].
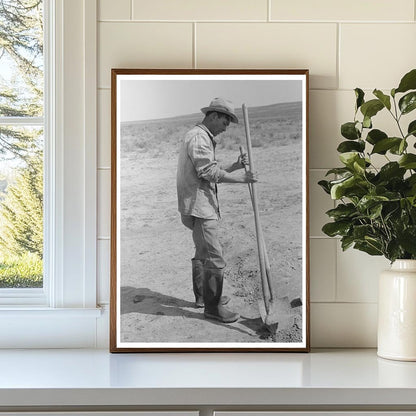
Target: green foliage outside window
[(21, 147)]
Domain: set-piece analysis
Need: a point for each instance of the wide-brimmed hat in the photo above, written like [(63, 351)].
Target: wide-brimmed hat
[(222, 106)]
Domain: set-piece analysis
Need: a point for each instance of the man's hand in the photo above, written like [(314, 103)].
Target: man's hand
[(242, 160), (250, 177)]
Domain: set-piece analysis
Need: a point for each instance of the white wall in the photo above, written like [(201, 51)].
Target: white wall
[(345, 44)]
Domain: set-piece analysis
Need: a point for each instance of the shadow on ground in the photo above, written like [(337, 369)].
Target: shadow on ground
[(148, 302)]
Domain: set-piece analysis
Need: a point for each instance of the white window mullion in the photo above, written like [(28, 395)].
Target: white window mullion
[(49, 159), (22, 121)]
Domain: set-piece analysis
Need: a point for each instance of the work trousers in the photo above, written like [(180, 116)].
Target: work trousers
[(207, 245)]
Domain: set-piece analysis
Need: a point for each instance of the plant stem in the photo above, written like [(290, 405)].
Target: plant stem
[(397, 118)]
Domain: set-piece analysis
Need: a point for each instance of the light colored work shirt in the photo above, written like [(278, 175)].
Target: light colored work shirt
[(197, 175)]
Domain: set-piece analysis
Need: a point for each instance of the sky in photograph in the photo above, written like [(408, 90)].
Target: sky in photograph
[(154, 99)]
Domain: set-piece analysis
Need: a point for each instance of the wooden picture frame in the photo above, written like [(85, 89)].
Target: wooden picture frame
[(152, 307)]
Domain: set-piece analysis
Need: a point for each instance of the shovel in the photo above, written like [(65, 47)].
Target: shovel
[(274, 311)]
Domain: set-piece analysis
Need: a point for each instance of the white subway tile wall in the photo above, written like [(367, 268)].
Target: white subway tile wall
[(104, 202), (343, 325), (200, 10), (345, 44), (104, 128), (323, 268), (357, 275), (270, 45), (375, 55), (319, 203), (103, 271), (114, 10), (145, 45), (353, 10)]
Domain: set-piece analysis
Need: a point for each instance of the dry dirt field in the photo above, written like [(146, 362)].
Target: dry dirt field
[(156, 249)]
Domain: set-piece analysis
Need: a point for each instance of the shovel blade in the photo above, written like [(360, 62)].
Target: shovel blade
[(279, 311)]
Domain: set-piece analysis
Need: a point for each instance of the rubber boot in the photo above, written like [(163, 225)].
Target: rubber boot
[(213, 281), (198, 284)]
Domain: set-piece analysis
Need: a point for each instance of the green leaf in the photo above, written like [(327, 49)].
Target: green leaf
[(346, 242), (375, 243), (408, 82), (408, 161), (338, 171), (371, 108), (349, 146), (394, 251), (359, 94), (407, 239), (350, 131), (399, 148), (349, 158), (411, 180), (411, 184), (408, 102), (361, 231), (333, 229), (369, 201), (391, 170), (383, 145), (385, 99), (338, 190), (342, 211), (340, 180), (325, 186), (367, 122), (411, 130), (359, 165), (374, 136), (368, 248), (375, 211)]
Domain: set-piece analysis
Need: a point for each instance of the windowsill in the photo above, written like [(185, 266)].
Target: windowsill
[(37, 311), (42, 327), (335, 378)]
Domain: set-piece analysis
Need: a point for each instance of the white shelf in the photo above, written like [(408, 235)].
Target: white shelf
[(58, 378)]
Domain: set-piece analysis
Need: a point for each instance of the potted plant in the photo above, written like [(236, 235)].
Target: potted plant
[(376, 206)]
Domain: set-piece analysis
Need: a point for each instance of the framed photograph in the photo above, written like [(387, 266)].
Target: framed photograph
[(209, 211)]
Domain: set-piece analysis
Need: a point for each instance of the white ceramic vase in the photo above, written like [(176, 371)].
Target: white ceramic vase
[(397, 312)]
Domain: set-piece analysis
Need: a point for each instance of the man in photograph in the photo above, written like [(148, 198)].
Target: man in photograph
[(197, 177)]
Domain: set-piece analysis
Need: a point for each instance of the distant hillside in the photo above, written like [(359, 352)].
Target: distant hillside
[(286, 111), (271, 125)]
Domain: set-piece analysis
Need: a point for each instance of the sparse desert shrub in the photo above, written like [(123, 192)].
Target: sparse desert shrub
[(255, 142)]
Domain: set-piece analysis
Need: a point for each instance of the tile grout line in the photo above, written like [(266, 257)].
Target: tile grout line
[(269, 11), (307, 22), (355, 302), (131, 10)]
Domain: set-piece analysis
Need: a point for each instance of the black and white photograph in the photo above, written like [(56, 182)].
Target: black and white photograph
[(209, 212)]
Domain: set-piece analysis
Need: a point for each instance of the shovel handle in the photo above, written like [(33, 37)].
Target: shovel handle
[(266, 256), (259, 235)]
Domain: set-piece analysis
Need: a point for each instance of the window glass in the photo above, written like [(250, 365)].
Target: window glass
[(21, 143)]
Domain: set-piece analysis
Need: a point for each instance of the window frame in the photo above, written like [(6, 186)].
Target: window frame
[(38, 296), (68, 317)]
